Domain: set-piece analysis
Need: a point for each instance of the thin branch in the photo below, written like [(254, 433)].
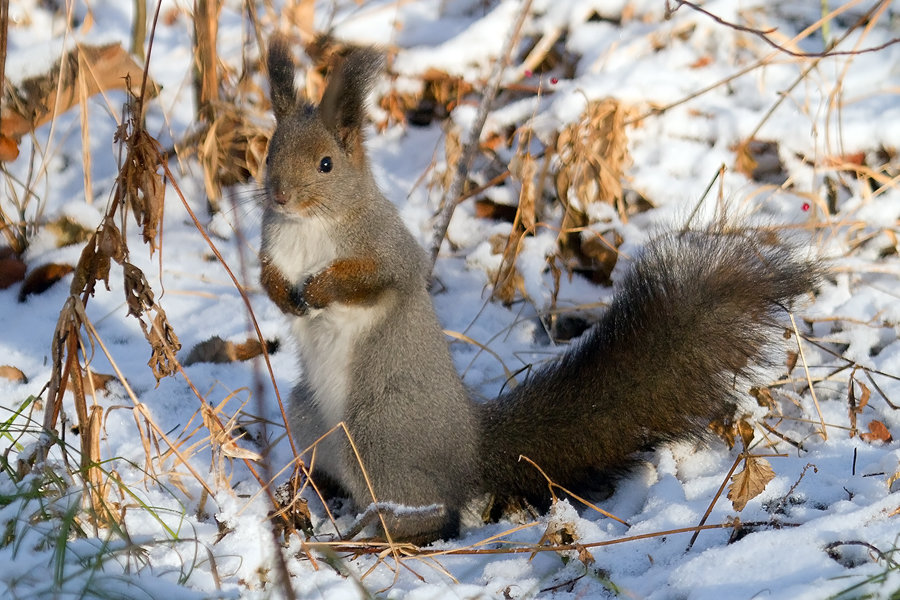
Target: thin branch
[(455, 191), (764, 35)]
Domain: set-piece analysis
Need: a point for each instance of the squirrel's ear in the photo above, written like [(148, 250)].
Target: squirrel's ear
[(281, 77), (343, 103)]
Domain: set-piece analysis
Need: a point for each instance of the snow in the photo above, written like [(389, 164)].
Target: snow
[(799, 538)]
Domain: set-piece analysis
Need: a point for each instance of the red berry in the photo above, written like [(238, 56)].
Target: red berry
[(805, 206), (528, 73), (554, 80)]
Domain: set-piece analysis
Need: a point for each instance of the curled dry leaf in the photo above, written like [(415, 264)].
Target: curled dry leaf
[(140, 182), (524, 168), (13, 374), (878, 432), (750, 482), (138, 294), (732, 430), (41, 278), (106, 243), (221, 435), (164, 345)]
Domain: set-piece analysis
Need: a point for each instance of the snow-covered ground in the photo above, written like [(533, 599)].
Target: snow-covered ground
[(825, 524)]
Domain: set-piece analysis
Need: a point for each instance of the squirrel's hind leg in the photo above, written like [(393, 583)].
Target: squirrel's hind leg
[(415, 524)]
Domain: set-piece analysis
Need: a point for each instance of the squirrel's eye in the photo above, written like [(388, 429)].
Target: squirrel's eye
[(325, 165)]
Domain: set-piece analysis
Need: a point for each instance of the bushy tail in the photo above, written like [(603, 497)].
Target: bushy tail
[(692, 316)]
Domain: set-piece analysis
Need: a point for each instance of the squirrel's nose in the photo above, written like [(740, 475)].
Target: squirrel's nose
[(278, 195)]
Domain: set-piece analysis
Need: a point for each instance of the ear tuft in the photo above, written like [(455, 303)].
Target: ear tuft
[(281, 76), (343, 103)]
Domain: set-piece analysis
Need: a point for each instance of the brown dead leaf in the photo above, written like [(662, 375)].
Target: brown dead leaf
[(13, 374), (745, 430), (12, 268), (92, 380), (592, 155), (292, 510), (164, 345), (33, 102), (67, 231), (730, 431), (701, 62), (41, 278), (105, 245), (9, 149), (750, 482), (878, 432), (759, 160), (140, 182), (138, 295), (763, 397)]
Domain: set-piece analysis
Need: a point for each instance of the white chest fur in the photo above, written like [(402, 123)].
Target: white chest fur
[(325, 338), (299, 247)]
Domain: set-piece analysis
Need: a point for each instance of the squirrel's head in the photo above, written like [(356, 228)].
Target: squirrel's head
[(316, 162)]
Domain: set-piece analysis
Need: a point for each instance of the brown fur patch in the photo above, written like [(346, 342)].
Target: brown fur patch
[(278, 288), (349, 281)]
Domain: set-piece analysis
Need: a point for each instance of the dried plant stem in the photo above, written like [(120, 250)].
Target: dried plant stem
[(812, 389), (243, 294), (142, 409), (455, 190), (139, 28), (206, 82), (715, 499), (360, 548), (551, 484)]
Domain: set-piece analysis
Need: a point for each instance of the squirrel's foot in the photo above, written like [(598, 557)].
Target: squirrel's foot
[(415, 524)]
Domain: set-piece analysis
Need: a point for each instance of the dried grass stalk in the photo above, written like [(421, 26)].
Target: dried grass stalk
[(509, 282), (592, 158)]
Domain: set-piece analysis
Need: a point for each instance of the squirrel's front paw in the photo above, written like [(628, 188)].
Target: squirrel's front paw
[(297, 300), (288, 298), (315, 292)]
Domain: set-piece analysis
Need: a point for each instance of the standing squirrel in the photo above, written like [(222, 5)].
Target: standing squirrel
[(692, 315)]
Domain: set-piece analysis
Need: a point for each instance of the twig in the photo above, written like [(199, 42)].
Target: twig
[(763, 35), (715, 499), (752, 67), (812, 390), (454, 192)]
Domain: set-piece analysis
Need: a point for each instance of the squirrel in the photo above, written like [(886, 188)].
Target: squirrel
[(691, 317)]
